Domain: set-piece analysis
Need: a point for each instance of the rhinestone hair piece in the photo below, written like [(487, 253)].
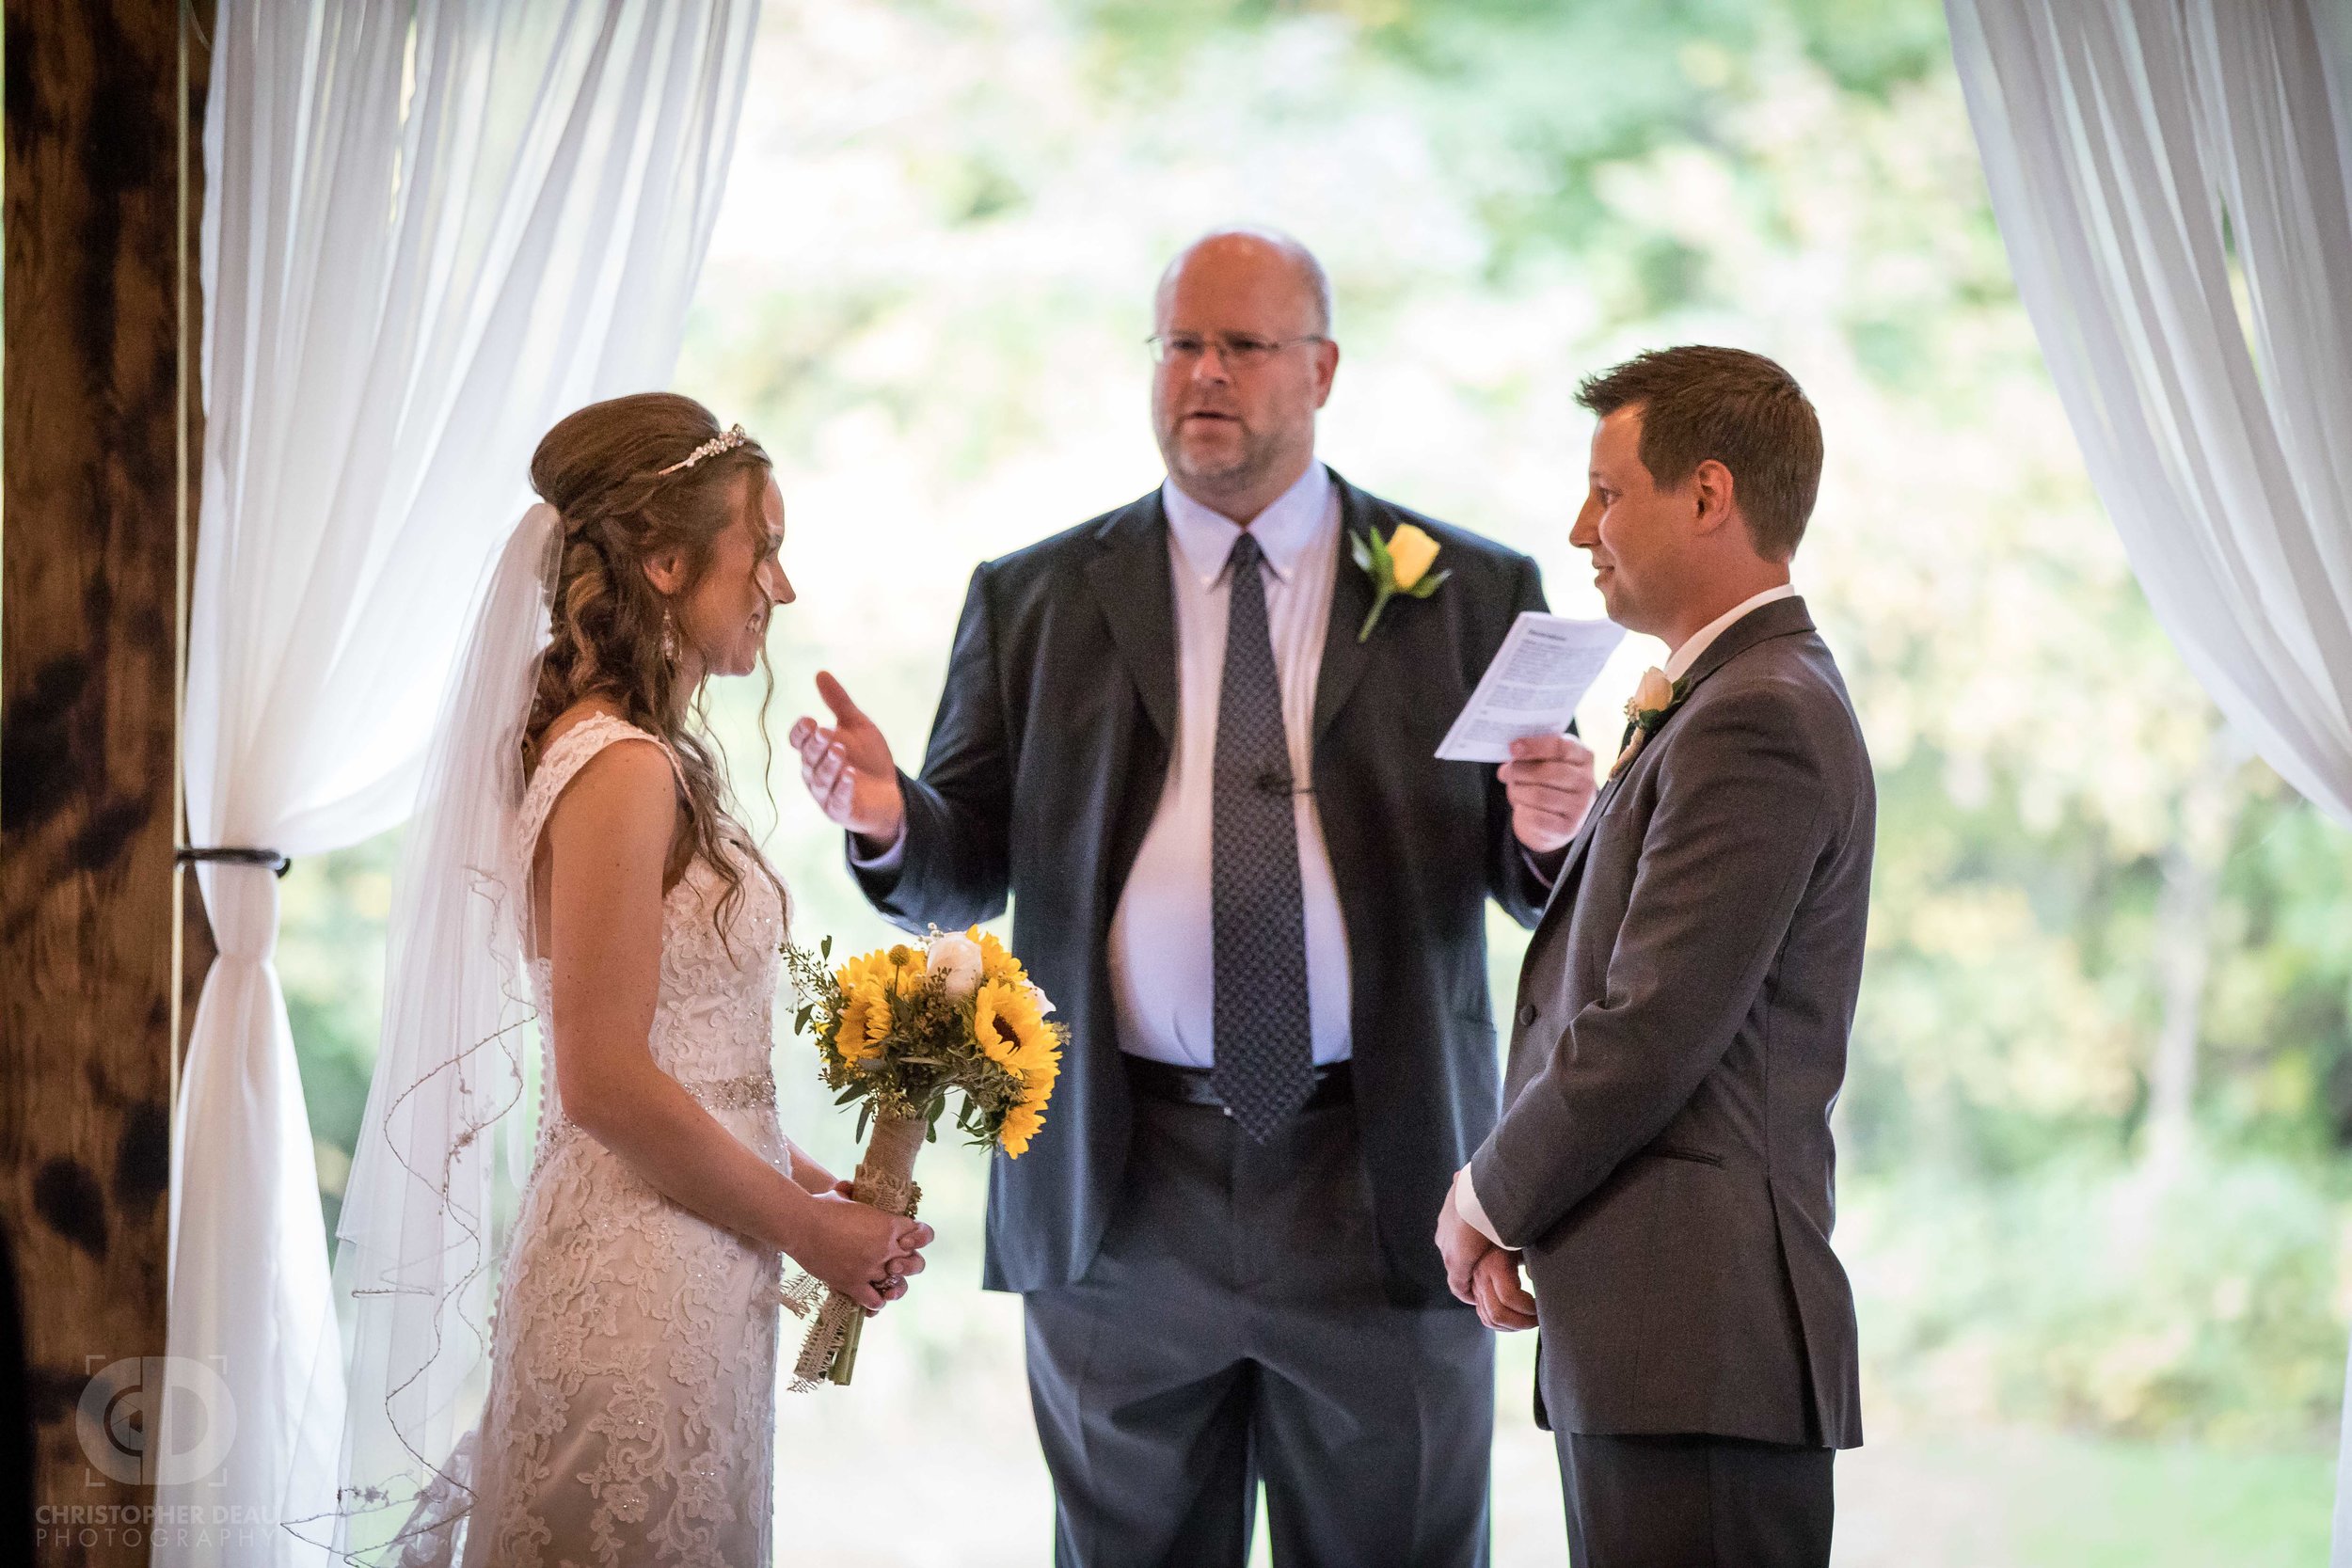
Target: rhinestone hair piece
[(712, 448)]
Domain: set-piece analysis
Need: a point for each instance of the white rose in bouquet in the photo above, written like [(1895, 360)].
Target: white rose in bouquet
[(955, 958)]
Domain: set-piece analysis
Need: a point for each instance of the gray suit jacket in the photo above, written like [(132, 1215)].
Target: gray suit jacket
[(1664, 1156)]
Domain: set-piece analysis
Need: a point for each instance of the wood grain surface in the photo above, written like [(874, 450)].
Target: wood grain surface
[(104, 177)]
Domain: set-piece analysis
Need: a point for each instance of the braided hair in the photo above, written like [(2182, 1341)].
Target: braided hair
[(601, 467)]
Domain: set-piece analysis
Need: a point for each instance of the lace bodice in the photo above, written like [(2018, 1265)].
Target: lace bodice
[(713, 1021)]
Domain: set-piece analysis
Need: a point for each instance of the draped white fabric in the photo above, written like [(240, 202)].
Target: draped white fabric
[(431, 228), (2134, 150), (2120, 137)]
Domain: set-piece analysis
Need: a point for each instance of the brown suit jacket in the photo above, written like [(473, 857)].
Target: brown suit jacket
[(1664, 1156)]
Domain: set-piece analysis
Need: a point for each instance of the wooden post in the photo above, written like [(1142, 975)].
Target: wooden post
[(97, 459)]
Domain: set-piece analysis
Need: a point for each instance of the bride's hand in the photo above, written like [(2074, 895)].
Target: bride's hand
[(847, 767), (858, 1250)]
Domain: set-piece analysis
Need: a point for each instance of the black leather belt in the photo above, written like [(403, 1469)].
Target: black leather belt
[(1335, 1085)]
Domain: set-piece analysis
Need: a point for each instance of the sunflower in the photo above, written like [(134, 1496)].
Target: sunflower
[(864, 1008), (872, 966), (864, 1015), (1020, 1124), (996, 964), (1037, 1059), (1003, 1021)]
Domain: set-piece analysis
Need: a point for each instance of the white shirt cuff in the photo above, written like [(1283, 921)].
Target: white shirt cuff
[(887, 860), (1465, 1203)]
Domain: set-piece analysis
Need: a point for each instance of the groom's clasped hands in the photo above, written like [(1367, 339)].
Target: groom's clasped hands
[(1481, 1274)]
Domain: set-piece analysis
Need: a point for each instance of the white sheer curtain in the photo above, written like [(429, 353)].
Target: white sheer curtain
[(431, 228), (2135, 151)]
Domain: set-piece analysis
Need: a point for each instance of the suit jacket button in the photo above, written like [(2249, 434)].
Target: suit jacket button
[(1527, 1014)]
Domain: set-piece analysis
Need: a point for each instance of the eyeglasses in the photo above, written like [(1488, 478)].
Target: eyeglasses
[(1238, 349)]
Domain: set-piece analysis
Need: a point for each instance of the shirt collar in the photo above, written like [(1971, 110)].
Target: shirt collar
[(1679, 664), (1204, 536)]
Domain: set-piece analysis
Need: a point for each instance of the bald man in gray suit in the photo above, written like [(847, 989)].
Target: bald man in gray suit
[(1663, 1166)]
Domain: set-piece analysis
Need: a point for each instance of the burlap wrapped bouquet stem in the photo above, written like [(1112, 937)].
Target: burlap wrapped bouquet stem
[(886, 1179)]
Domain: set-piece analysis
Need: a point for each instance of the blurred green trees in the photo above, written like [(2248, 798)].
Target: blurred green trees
[(2097, 1114)]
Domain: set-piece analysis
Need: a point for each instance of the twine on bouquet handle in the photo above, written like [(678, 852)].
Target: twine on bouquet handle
[(886, 1179)]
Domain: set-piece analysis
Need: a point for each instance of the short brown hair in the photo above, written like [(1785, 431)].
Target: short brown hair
[(1741, 409)]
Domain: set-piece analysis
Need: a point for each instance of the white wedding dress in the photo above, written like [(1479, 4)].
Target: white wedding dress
[(630, 1418)]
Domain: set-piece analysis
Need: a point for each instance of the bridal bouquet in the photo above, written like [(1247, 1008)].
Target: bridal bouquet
[(897, 1031)]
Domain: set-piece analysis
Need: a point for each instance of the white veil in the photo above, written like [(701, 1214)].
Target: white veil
[(419, 1240)]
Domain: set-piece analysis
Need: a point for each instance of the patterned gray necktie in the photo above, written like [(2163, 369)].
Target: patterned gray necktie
[(1265, 1042)]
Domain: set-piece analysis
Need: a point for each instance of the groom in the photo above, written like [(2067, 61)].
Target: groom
[(1259, 901), (1664, 1164)]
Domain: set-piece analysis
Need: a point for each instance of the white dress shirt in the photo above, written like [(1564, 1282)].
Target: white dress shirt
[(1677, 665), (1163, 967), (1679, 662)]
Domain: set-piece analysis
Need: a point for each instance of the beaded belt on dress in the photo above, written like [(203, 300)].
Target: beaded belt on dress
[(717, 1094)]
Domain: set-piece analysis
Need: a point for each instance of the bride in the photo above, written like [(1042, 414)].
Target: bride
[(628, 1410)]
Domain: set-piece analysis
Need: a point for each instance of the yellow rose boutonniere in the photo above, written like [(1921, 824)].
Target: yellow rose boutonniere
[(1399, 564)]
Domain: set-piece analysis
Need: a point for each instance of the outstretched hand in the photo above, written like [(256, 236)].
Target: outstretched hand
[(848, 768)]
